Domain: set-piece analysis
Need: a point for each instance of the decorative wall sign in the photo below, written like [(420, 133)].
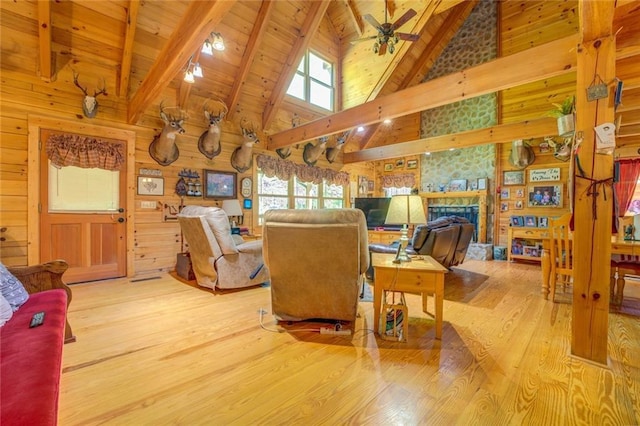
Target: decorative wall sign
[(150, 172), (544, 175)]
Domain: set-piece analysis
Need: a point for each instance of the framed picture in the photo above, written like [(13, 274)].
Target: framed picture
[(515, 177), (531, 251), (363, 185), (518, 205), (519, 193), (388, 167), (504, 207), (148, 185), (517, 221), (458, 185), (531, 221), (545, 196), (399, 164), (482, 183), (505, 194), (543, 222), (370, 186), (412, 164), (220, 185)]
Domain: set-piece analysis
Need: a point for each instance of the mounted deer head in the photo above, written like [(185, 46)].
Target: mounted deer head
[(286, 152), (332, 153), (521, 154), (312, 152), (89, 103), (209, 142), (561, 151), (163, 148), (242, 156)]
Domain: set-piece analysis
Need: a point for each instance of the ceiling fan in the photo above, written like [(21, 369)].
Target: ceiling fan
[(387, 36)]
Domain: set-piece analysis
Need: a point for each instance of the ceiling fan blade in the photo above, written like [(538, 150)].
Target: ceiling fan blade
[(407, 37), (404, 18), (383, 49), (370, 19), (363, 39)]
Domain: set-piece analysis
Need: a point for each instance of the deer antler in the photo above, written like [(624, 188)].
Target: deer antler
[(102, 91), (75, 81)]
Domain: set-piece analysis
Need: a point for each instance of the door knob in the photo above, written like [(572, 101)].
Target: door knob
[(120, 210), (121, 219)]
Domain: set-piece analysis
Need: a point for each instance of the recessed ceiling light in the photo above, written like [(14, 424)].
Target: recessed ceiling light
[(387, 121), (360, 129)]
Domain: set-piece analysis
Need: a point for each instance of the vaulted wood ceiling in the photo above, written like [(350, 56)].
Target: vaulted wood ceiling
[(141, 48)]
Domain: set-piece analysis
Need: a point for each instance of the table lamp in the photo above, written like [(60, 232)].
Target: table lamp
[(232, 209), (405, 210)]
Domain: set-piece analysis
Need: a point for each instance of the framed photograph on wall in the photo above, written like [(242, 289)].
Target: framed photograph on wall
[(458, 185), (504, 207), (412, 164), (515, 177), (505, 194), (517, 221), (482, 183), (543, 222), (545, 196), (148, 185), (220, 185), (531, 221), (518, 205), (388, 167)]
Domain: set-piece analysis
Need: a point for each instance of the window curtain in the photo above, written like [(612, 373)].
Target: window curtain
[(285, 170), (399, 180), (628, 172), (85, 152)]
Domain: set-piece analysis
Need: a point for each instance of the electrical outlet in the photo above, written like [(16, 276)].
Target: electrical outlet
[(148, 204), (331, 330)]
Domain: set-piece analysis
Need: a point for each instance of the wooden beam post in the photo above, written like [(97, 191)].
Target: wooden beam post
[(593, 189)]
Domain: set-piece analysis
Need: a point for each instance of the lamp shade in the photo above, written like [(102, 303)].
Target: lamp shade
[(232, 207), (405, 209)]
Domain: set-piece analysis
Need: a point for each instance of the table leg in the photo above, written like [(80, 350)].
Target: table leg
[(439, 300), (546, 271), (377, 301)]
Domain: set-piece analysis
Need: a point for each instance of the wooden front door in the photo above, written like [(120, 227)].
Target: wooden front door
[(85, 226)]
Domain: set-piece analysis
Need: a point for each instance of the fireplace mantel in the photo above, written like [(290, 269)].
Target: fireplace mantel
[(482, 206)]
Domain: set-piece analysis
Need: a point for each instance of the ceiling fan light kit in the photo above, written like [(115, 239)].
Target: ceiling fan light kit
[(387, 36)]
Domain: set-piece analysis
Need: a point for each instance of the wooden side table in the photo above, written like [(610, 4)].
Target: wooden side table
[(422, 275)]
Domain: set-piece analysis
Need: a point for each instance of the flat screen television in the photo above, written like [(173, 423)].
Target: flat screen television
[(375, 210)]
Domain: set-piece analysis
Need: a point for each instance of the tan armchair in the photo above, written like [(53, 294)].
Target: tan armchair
[(219, 260), (316, 259)]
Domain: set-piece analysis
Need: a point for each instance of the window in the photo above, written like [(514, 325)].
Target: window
[(274, 193), (313, 81)]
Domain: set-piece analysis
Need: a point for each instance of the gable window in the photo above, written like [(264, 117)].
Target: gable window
[(313, 81)]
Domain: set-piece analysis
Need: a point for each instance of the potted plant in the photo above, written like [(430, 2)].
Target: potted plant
[(565, 114)]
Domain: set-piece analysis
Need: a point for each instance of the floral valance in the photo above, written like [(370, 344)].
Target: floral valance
[(399, 180), (85, 152), (284, 170)]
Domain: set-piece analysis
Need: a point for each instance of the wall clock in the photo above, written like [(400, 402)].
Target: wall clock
[(246, 186)]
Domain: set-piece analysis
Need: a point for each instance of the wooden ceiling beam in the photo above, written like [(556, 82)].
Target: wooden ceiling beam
[(496, 134), (355, 16), (523, 67), (46, 56), (317, 10), (191, 31), (127, 50), (255, 38)]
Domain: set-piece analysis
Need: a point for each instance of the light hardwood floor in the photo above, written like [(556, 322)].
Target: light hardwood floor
[(164, 352)]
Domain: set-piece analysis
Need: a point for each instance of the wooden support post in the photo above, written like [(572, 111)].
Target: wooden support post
[(593, 190)]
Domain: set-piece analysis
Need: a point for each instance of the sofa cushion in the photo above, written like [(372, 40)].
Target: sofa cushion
[(31, 361), (12, 289), (5, 310)]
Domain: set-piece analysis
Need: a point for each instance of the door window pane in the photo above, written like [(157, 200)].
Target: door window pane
[(86, 190)]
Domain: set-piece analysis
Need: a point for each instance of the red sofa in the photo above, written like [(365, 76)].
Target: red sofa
[(31, 358)]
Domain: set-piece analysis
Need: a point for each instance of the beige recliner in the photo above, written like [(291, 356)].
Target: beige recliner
[(219, 260), (316, 261)]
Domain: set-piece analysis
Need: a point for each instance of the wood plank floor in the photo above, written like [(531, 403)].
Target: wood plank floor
[(165, 352)]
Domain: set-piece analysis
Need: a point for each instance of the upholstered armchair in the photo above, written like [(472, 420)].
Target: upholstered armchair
[(316, 259), (219, 259)]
